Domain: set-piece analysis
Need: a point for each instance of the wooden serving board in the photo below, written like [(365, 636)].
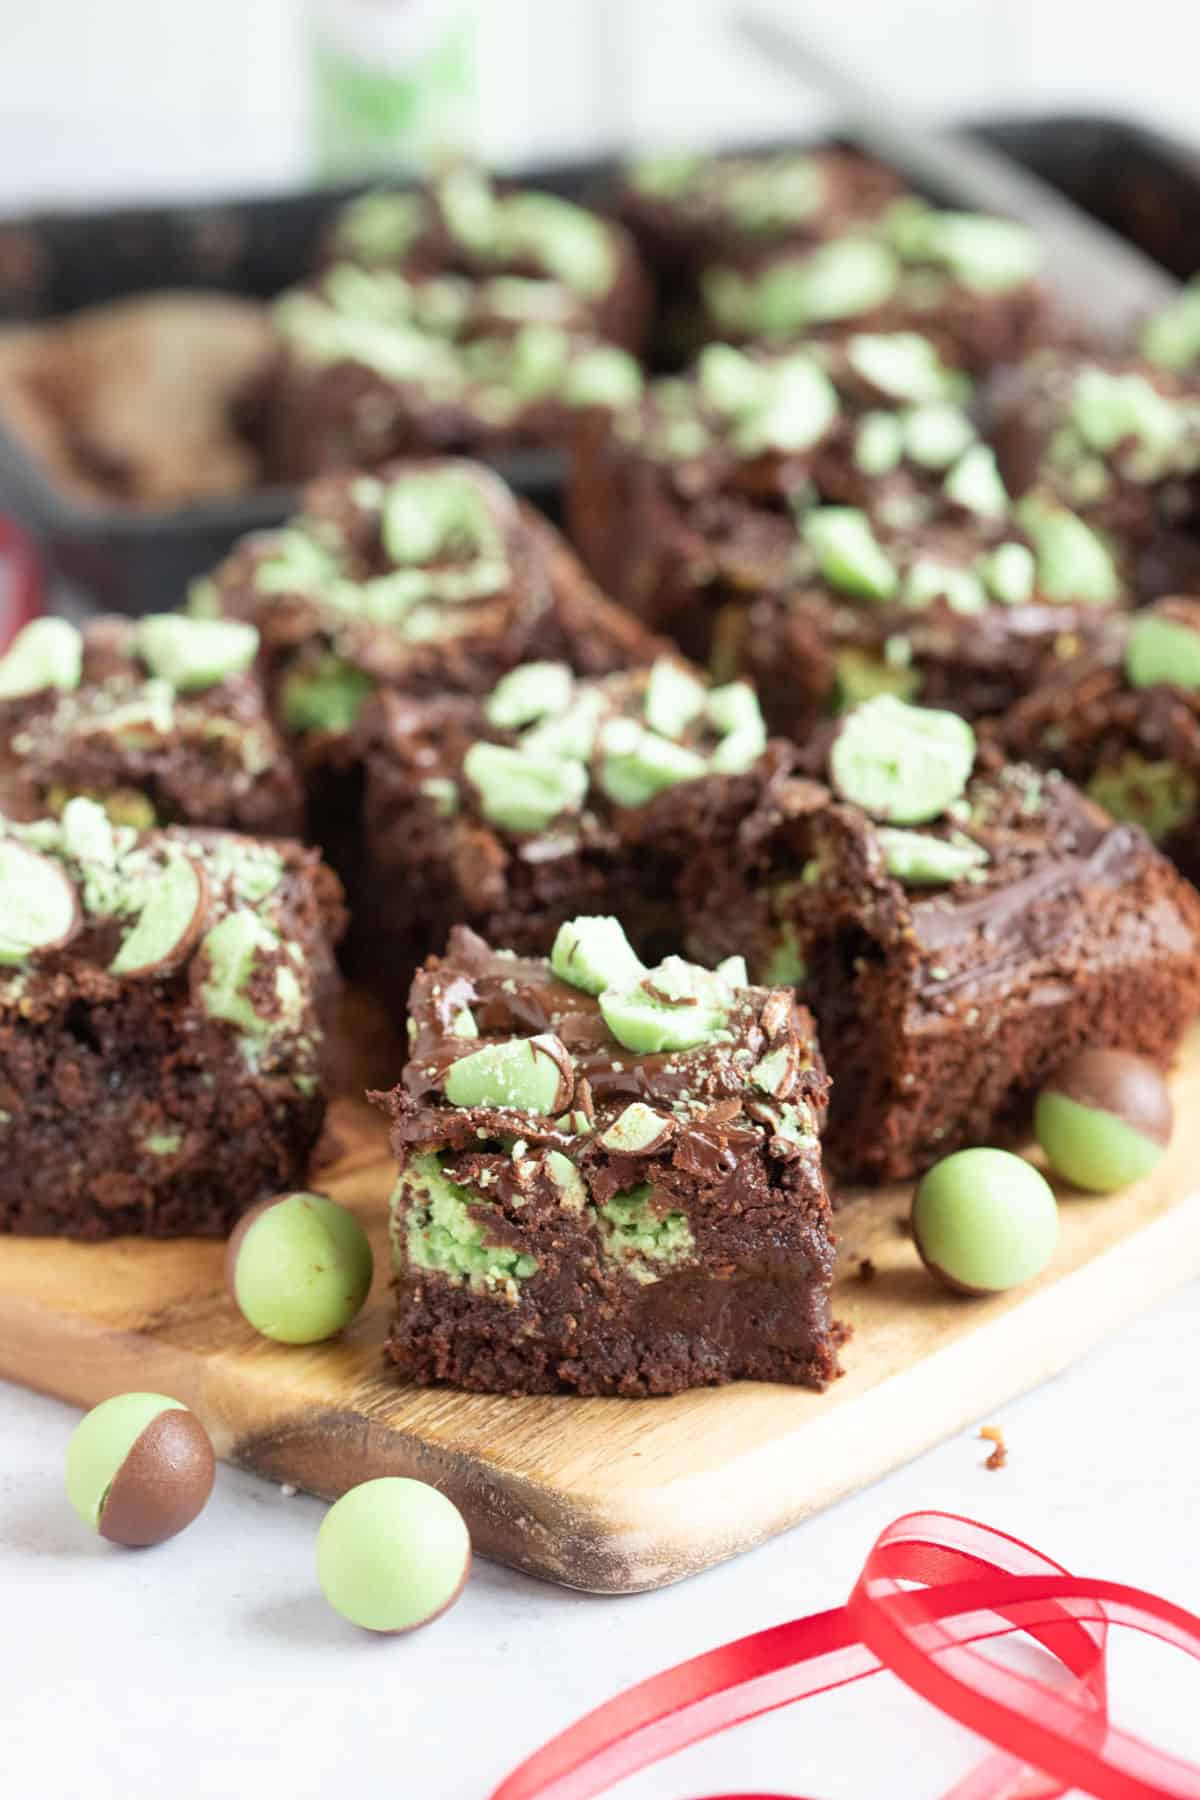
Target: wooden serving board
[(614, 1496)]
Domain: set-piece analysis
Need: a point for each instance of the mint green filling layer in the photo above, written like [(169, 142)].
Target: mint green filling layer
[(644, 1240), (435, 1226), (1159, 796)]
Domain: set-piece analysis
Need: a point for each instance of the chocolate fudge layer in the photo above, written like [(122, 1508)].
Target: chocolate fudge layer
[(552, 795), (466, 224), (957, 925), (610, 1177), (702, 515), (375, 365), (1124, 725), (163, 722), (160, 1024)]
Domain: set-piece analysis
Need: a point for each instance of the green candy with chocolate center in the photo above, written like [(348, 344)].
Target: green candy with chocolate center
[(298, 1267), (984, 1221), (1104, 1120), (902, 764)]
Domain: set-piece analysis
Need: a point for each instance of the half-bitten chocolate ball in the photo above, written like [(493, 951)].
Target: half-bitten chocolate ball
[(140, 1468), (1104, 1120)]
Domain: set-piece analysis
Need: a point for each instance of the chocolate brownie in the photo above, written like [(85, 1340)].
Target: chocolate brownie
[(958, 926), (1124, 724), (701, 515), (610, 1177), (374, 364), (466, 223), (160, 1024), (164, 722), (549, 797)]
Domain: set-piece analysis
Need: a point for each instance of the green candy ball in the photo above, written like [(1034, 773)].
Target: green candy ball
[(393, 1554), (139, 1468), (1104, 1120), (984, 1221), (299, 1267)]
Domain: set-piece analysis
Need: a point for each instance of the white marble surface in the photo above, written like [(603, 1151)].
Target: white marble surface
[(212, 1668)]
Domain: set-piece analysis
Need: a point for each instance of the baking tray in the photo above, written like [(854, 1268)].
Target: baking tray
[(1144, 185)]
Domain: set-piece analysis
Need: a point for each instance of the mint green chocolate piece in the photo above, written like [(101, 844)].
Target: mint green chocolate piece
[(1009, 573), (1157, 795), (987, 254), (572, 244), (637, 1234), (848, 552), (795, 408), (1162, 649), (380, 226), (393, 1554), (906, 367), (929, 580), (195, 653), (1073, 561), (782, 192), (166, 921), (39, 907), (985, 1220), (862, 675), (878, 443), (463, 1023), (919, 861), (233, 950), (733, 972), (524, 790), (439, 1225), (572, 1189), (605, 376), (936, 435), (571, 734), (1110, 411), (735, 712), (775, 1073), (100, 1445), (298, 564), (87, 833), (47, 653), (730, 381), (532, 1075), (536, 690), (1092, 1149), (974, 483), (431, 511), (1171, 337), (324, 695), (786, 965), (593, 953), (900, 763), (638, 764), (842, 279), (299, 1267), (638, 1129), (668, 172), (674, 1007), (673, 698)]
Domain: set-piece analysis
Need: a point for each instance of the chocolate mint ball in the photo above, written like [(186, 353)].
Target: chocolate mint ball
[(985, 1220), (299, 1267), (1104, 1120), (393, 1554), (139, 1468)]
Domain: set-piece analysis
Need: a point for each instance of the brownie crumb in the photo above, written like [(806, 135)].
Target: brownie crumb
[(999, 1456), (867, 1270)]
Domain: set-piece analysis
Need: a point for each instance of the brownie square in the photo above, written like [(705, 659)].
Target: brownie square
[(576, 1213), (1124, 725), (550, 797), (163, 722), (161, 1000), (956, 937)]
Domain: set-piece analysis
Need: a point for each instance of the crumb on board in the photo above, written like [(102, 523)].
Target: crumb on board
[(999, 1455), (287, 1490), (866, 1269)]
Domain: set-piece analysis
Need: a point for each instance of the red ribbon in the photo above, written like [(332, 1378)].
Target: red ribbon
[(972, 1583), (21, 585)]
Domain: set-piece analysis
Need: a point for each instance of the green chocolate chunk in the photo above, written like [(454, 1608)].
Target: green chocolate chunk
[(1091, 1148), (673, 698), (676, 1006), (667, 172), (442, 795), (1009, 573), (605, 376), (469, 208), (730, 381), (644, 1239), (842, 279), (985, 1220), (1111, 412), (537, 690), (48, 653), (878, 443), (87, 833), (786, 966), (862, 675), (1159, 796), (164, 1143), (392, 1554), (921, 861), (463, 1023), (848, 553), (900, 763), (1162, 649), (594, 954), (299, 1267), (324, 695), (987, 254), (195, 653), (530, 1075), (937, 435), (906, 367), (380, 227), (166, 922), (443, 1230), (572, 244), (639, 1128), (733, 972), (1171, 337), (795, 408), (572, 734), (39, 908), (521, 790), (929, 580), (296, 564), (1073, 561), (435, 512), (776, 194), (572, 1189), (974, 483), (735, 712), (775, 1073), (638, 764), (234, 950), (100, 1444)]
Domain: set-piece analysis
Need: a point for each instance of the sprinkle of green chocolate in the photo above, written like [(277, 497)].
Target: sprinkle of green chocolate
[(594, 954), (1073, 561), (521, 1074), (919, 860), (521, 790), (47, 653), (195, 653), (536, 690), (848, 552), (902, 764)]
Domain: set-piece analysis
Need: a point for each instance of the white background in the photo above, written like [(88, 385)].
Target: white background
[(211, 1667)]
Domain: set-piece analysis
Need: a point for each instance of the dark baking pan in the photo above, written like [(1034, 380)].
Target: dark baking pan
[(1143, 185)]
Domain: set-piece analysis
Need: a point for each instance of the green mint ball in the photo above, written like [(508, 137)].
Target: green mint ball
[(902, 764), (393, 1554), (299, 1268), (984, 1221), (140, 1468), (1104, 1120)]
